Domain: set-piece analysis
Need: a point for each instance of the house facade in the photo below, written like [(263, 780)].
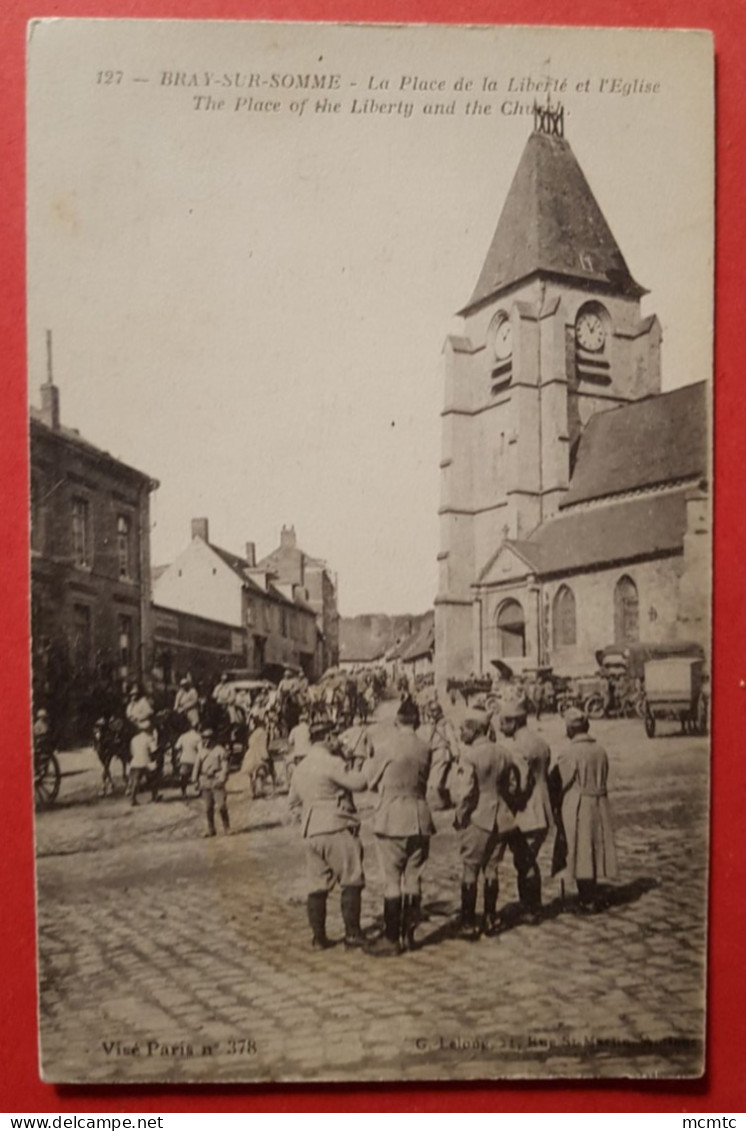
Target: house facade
[(90, 572), (289, 565), (247, 616)]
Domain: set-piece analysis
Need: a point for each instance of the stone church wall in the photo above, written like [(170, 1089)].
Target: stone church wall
[(658, 609)]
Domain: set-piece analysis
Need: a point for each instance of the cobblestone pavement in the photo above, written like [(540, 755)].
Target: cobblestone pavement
[(164, 956)]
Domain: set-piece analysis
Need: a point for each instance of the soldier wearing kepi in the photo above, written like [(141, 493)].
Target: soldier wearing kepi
[(533, 818), (485, 819), (322, 788), (403, 826)]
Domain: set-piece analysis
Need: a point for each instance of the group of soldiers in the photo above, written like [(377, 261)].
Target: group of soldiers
[(506, 794)]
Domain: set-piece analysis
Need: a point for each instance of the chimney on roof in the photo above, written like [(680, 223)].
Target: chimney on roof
[(201, 529), (50, 394), (251, 554), (288, 540)]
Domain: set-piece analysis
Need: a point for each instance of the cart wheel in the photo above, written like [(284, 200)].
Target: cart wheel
[(594, 707), (649, 725), (47, 776)]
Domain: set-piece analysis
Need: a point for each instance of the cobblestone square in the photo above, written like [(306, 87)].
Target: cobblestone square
[(164, 956)]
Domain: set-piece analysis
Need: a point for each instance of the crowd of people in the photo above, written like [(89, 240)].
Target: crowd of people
[(497, 778), (506, 793)]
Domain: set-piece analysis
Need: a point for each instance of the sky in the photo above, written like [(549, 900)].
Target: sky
[(250, 304)]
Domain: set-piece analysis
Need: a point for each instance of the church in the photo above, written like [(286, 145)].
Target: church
[(574, 509)]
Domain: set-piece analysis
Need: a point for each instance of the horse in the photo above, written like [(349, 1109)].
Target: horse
[(111, 739)]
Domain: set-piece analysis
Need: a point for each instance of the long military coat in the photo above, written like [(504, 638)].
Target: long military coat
[(583, 767)]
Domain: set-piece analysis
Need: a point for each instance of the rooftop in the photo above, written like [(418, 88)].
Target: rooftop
[(625, 530), (551, 223), (645, 444)]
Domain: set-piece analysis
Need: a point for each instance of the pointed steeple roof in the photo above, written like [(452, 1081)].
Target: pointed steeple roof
[(551, 224)]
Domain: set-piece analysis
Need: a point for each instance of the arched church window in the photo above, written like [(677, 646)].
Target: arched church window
[(626, 611), (592, 338), (564, 629), (500, 345), (511, 630)]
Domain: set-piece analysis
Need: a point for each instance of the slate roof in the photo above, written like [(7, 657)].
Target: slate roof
[(644, 444), (364, 653), (422, 642), (73, 436), (551, 223), (239, 566), (602, 536)]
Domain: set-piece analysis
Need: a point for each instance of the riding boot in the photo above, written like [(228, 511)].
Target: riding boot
[(523, 884), (587, 897), (491, 890), (532, 897), (316, 906), (410, 918), (467, 925), (350, 903), (226, 820), (388, 944)]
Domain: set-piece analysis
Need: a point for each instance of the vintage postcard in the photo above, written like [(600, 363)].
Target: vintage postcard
[(370, 375)]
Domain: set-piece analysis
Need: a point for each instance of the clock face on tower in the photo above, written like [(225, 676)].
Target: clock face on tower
[(503, 339), (590, 332)]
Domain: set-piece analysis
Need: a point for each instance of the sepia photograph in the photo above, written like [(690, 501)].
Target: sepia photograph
[(370, 432)]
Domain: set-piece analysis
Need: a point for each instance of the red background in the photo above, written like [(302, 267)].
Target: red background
[(724, 1088)]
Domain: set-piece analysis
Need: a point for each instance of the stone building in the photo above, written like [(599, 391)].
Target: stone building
[(90, 571), (290, 565), (235, 600), (573, 493)]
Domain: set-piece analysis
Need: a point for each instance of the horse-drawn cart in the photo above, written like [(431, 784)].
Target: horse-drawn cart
[(675, 689)]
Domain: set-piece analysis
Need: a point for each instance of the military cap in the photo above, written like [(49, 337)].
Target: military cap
[(575, 717), (408, 713), (477, 717), (207, 728), (513, 709), (321, 728)]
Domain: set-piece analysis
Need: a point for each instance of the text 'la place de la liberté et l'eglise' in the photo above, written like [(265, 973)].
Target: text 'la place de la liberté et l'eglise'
[(379, 95)]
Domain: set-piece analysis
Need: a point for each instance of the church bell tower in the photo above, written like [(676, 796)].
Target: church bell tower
[(551, 334)]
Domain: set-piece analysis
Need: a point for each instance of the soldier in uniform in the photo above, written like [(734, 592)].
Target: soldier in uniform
[(224, 694), (485, 819), (139, 709), (210, 776), (143, 763), (582, 771), (299, 739), (188, 747), (403, 826), (533, 818), (186, 702), (439, 737), (321, 790)]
